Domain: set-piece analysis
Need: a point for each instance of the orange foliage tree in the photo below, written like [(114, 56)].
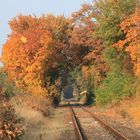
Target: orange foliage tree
[(87, 48), (60, 28), (131, 41), (26, 53), (36, 52)]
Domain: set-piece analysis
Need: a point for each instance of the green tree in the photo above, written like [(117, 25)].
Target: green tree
[(110, 14)]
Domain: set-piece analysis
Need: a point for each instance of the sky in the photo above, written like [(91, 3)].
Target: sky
[(12, 8)]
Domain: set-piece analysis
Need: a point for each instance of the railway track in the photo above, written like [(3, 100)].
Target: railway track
[(79, 128)]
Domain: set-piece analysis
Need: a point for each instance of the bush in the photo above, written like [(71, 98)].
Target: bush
[(115, 87), (7, 87), (9, 122)]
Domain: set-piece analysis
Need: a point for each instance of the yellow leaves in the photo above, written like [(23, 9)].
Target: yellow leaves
[(38, 91), (1, 132), (120, 45), (45, 39), (131, 42), (23, 40), (134, 52), (86, 72), (10, 132), (26, 64)]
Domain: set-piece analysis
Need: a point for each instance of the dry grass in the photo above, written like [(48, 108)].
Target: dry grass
[(29, 107), (30, 110), (127, 110), (133, 109), (37, 126)]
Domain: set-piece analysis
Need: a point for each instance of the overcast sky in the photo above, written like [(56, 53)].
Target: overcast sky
[(12, 8)]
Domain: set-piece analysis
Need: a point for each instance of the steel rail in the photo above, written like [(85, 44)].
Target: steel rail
[(108, 127), (77, 128)]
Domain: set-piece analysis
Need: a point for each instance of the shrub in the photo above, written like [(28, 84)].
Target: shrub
[(116, 86), (9, 128), (7, 87)]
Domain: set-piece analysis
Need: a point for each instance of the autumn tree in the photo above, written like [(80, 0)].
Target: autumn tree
[(42, 53), (131, 42), (25, 52), (60, 28), (110, 14), (35, 53), (86, 48)]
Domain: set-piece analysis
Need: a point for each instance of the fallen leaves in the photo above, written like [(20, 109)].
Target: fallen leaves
[(9, 128), (9, 131)]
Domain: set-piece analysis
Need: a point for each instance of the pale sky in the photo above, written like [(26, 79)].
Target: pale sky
[(12, 8)]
